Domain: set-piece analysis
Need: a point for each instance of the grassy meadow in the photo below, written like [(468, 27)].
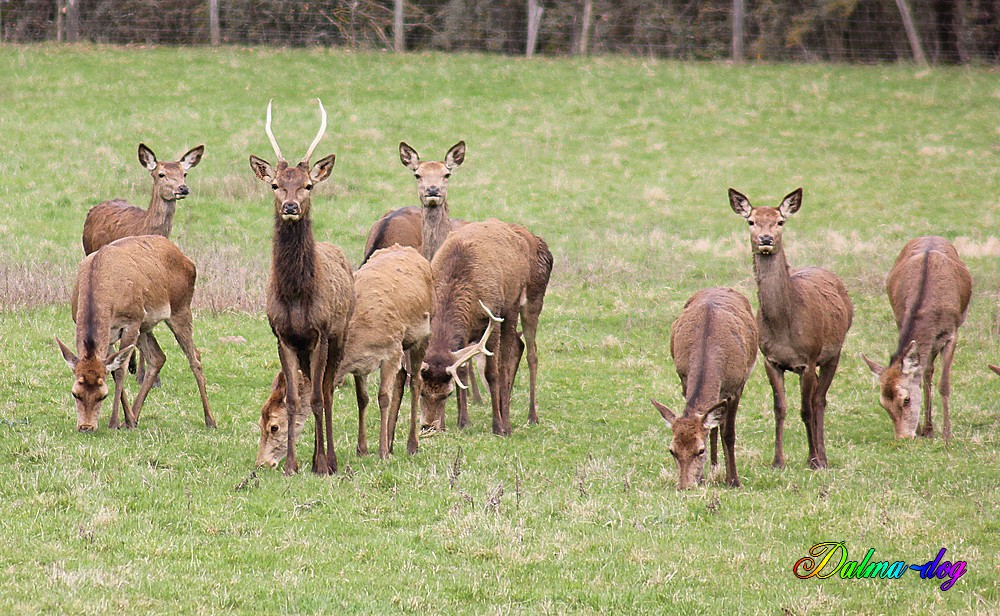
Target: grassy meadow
[(622, 165)]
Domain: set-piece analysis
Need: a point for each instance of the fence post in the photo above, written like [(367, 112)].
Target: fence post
[(739, 21), (213, 22), (398, 41), (535, 10), (72, 21), (911, 31), (588, 6)]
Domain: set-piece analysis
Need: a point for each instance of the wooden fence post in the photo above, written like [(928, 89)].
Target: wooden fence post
[(535, 10)]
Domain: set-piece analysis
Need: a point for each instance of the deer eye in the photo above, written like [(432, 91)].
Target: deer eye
[(701, 451), (274, 187), (781, 223), (185, 174), (906, 401), (274, 428), (416, 175), (309, 186), (101, 399), (750, 222), (162, 175), (447, 175), (77, 396)]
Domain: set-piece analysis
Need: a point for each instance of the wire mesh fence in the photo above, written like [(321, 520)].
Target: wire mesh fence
[(938, 31)]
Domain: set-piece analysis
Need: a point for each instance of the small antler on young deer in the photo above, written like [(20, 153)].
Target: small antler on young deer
[(312, 146), (464, 355)]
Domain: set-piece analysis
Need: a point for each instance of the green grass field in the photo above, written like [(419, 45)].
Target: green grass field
[(622, 165)]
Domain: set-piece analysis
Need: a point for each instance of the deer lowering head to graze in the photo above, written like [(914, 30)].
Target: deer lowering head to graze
[(929, 289), (112, 220), (803, 320), (123, 289), (310, 293), (481, 273), (714, 346), (426, 227), (274, 420), (391, 319)]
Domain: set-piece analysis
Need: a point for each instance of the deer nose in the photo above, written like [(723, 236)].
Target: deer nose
[(433, 191), (86, 428), (289, 208), (182, 189), (766, 240)]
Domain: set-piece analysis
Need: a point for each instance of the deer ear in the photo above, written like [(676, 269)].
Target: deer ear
[(740, 204), (115, 360), (408, 156), (667, 414), (791, 203), (911, 361), (875, 368), (192, 157), (322, 169), (262, 169), (455, 156), (71, 359), (146, 157), (713, 417)]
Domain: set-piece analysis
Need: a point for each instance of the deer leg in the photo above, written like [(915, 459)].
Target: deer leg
[(477, 396), (361, 393), (529, 328), (155, 358), (729, 441), (926, 429), (129, 336), (318, 372), (416, 383), (808, 382), (826, 374), (289, 366), (386, 401), (776, 376), (335, 355), (181, 324), (944, 385), (508, 350), (494, 384), (713, 452), (462, 398), (399, 383)]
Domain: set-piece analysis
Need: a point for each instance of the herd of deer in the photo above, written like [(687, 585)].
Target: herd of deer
[(435, 294)]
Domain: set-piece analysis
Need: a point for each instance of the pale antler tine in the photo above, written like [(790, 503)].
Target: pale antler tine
[(319, 135), (270, 135), (454, 375)]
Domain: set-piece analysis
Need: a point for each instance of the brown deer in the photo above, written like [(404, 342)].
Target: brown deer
[(115, 219), (424, 228), (310, 294), (391, 318), (995, 368), (714, 346), (803, 319), (489, 263), (929, 288), (122, 290)]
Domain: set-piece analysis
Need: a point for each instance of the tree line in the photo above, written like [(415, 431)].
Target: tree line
[(939, 31)]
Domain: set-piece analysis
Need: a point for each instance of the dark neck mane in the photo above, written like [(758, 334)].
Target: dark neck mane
[(293, 260)]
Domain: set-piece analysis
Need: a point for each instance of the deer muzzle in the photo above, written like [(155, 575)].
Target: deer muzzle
[(765, 244), (86, 428), (181, 192), (290, 211)]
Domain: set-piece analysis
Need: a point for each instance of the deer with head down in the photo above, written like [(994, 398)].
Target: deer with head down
[(481, 275), (122, 291), (391, 319), (310, 294), (803, 319), (929, 289), (714, 346)]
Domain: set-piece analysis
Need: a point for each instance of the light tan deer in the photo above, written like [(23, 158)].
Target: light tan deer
[(714, 346), (115, 219), (122, 290), (310, 294), (803, 320), (929, 289), (391, 318)]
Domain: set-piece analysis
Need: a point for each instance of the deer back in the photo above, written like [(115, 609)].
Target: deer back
[(931, 284), (403, 226)]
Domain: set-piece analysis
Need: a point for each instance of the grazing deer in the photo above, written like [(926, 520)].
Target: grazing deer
[(929, 288), (391, 318), (995, 368), (310, 294), (274, 420), (804, 316), (714, 346), (489, 263), (122, 290), (115, 219)]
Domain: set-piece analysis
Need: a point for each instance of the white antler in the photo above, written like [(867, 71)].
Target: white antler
[(270, 135), (464, 355), (319, 135)]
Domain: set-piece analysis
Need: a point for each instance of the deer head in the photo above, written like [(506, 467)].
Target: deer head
[(765, 222), (440, 375), (432, 176), (292, 184), (274, 421), (90, 386), (169, 178), (687, 446), (901, 394)]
